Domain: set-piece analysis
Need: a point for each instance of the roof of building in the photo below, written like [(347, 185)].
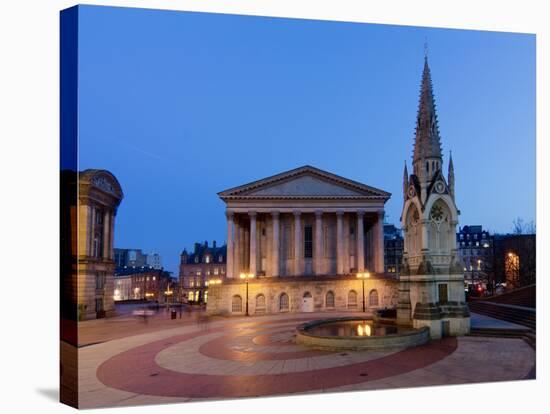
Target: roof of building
[(202, 250), (309, 183), (134, 270)]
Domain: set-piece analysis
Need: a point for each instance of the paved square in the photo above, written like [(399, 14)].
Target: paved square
[(247, 357)]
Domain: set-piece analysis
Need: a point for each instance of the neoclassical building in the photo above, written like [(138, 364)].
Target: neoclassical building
[(431, 288), (99, 195), (304, 235)]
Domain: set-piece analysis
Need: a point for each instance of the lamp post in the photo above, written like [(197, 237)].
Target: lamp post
[(363, 276), (247, 276)]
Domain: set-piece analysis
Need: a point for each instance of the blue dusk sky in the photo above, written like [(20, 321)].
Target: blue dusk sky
[(179, 106)]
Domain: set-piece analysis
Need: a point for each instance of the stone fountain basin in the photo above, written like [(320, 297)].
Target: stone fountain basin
[(313, 335)]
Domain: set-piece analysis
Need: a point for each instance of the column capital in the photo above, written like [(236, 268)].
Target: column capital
[(297, 213), (380, 214), (275, 213), (340, 213), (229, 214), (360, 213), (318, 213), (251, 214)]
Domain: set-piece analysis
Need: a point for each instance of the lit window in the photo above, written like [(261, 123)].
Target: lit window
[(196, 259), (220, 258), (216, 271), (207, 259)]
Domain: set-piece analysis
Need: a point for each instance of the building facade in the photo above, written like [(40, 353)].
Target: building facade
[(302, 236), (98, 199), (130, 258), (145, 283), (123, 288), (475, 252), (431, 283), (393, 249), (154, 260), (197, 268)]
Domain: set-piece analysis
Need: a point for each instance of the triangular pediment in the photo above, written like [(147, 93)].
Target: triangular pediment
[(304, 182)]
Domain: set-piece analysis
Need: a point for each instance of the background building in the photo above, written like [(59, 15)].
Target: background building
[(475, 252), (123, 288), (130, 258), (145, 283), (196, 268), (393, 249), (154, 260)]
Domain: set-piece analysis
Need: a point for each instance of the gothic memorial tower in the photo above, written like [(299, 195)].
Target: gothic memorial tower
[(431, 285)]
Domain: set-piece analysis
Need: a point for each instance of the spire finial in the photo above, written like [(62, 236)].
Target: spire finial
[(426, 47)]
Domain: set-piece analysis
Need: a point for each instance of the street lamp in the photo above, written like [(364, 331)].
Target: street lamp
[(363, 276), (247, 276)]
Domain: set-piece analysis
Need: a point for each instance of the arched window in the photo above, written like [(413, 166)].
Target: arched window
[(329, 299), (427, 166), (237, 304), (439, 227), (283, 302), (260, 303), (373, 298), (412, 236), (307, 295), (352, 299)]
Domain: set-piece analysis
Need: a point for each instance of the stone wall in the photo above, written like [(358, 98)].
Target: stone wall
[(224, 298)]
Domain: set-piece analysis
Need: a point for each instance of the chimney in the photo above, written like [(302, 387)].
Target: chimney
[(214, 244)]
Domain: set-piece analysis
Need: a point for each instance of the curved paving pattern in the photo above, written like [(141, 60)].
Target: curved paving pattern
[(251, 359)]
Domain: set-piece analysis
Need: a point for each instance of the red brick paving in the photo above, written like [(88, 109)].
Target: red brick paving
[(135, 370)]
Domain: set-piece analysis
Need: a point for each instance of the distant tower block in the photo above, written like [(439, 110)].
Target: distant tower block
[(431, 285)]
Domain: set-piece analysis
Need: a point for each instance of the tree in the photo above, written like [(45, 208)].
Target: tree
[(519, 226)]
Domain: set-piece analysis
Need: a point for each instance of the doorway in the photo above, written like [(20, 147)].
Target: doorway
[(307, 302)]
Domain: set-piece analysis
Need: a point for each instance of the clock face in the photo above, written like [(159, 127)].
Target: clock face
[(411, 192), (439, 187)]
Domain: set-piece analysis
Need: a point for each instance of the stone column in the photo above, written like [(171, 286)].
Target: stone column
[(379, 243), (230, 226), (298, 253), (92, 230), (318, 252), (340, 242), (275, 244), (239, 257), (112, 236), (360, 249), (106, 235), (253, 250)]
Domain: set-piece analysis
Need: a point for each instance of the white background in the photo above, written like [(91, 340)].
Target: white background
[(29, 236)]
